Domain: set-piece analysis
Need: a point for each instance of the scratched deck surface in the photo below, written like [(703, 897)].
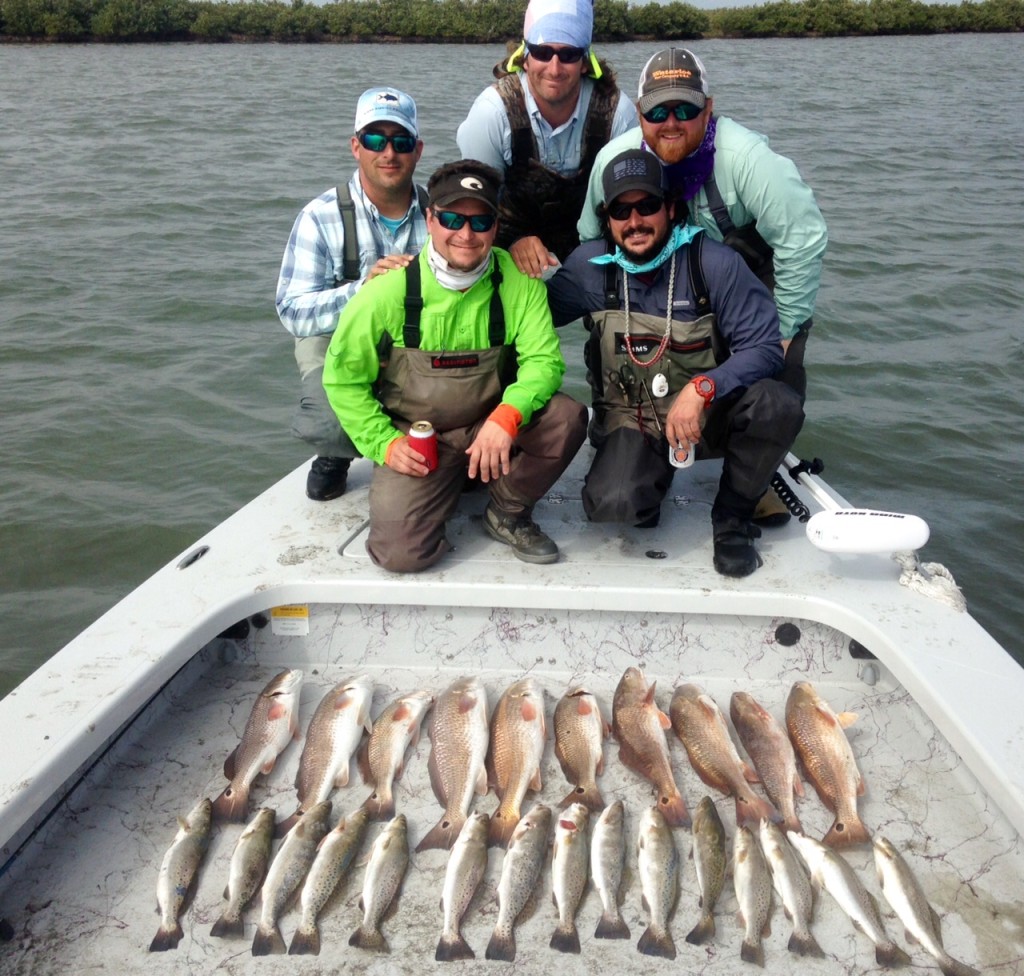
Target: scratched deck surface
[(82, 899)]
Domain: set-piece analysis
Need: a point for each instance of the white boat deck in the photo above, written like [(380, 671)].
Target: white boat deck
[(940, 738)]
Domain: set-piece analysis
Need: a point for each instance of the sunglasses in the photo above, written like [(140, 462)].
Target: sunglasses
[(377, 142), (545, 52), (684, 112), (645, 206), (478, 223)]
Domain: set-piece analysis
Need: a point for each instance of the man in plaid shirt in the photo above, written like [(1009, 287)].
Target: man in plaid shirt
[(313, 287)]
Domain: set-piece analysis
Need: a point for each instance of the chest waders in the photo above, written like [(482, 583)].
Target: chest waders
[(745, 240), (537, 200), (450, 389), (622, 375), (351, 269)]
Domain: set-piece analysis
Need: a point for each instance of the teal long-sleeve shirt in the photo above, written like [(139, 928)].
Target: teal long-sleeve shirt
[(757, 184), (451, 321)]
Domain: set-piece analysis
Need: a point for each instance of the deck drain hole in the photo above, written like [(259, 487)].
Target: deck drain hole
[(787, 634)]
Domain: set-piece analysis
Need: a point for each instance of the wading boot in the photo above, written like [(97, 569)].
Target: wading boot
[(733, 539), (327, 479), (522, 534)]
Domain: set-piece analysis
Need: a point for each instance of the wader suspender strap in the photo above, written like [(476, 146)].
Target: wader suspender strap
[(414, 307), (718, 208), (347, 209), (701, 299), (597, 126)]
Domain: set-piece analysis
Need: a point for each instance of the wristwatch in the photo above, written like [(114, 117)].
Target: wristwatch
[(705, 387)]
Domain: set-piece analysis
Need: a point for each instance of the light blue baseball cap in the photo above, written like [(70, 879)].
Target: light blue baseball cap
[(386, 105)]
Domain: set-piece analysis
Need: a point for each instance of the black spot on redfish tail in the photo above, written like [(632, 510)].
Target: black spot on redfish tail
[(442, 835), (589, 796), (657, 943), (502, 827), (673, 809), (166, 938), (232, 805), (379, 807), (448, 950), (305, 942), (847, 833), (226, 928)]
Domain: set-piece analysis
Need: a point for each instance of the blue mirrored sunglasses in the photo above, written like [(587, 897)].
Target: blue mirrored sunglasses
[(478, 223), (684, 112), (377, 142), (545, 52)]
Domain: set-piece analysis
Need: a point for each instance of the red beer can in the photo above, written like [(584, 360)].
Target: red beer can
[(424, 440)]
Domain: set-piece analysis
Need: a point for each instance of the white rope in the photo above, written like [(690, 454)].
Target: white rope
[(930, 579)]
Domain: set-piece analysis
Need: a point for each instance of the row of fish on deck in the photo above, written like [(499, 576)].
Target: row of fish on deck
[(471, 752)]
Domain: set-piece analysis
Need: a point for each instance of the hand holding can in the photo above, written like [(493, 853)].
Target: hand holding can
[(680, 455), (424, 439)]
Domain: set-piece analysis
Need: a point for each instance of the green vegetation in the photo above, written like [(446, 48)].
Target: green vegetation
[(480, 21)]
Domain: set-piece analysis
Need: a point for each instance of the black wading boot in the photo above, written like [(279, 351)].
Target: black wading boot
[(327, 478), (733, 539)]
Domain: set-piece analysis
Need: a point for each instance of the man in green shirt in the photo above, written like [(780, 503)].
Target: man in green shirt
[(462, 339)]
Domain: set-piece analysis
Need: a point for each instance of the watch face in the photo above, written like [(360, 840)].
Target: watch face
[(705, 386)]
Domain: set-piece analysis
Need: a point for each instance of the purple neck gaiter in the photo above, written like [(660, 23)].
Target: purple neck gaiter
[(690, 174)]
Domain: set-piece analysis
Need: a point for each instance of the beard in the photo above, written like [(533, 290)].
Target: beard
[(643, 255)]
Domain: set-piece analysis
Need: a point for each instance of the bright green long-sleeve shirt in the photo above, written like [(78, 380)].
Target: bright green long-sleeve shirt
[(451, 321)]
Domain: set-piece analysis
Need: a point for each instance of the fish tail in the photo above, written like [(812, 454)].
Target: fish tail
[(166, 938), (804, 944), (890, 955), (611, 926), (365, 937), (566, 938), (752, 952), (232, 805), (586, 793), (657, 942), (792, 823), (502, 826), (450, 949), (226, 927), (673, 808), (285, 825), (702, 931), (380, 805), (847, 833), (953, 967), (267, 941), (502, 946), (752, 809), (442, 835), (305, 942)]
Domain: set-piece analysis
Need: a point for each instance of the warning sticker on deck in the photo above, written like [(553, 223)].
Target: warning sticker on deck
[(290, 621)]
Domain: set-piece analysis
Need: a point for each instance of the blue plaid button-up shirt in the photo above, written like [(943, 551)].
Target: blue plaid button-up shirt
[(311, 290)]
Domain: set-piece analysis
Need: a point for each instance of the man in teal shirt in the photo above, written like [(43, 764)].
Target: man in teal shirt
[(462, 339)]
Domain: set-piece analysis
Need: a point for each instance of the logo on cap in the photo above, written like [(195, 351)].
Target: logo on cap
[(471, 183), (630, 167), (386, 97)]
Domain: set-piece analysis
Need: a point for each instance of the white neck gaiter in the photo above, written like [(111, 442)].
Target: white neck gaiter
[(451, 278)]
